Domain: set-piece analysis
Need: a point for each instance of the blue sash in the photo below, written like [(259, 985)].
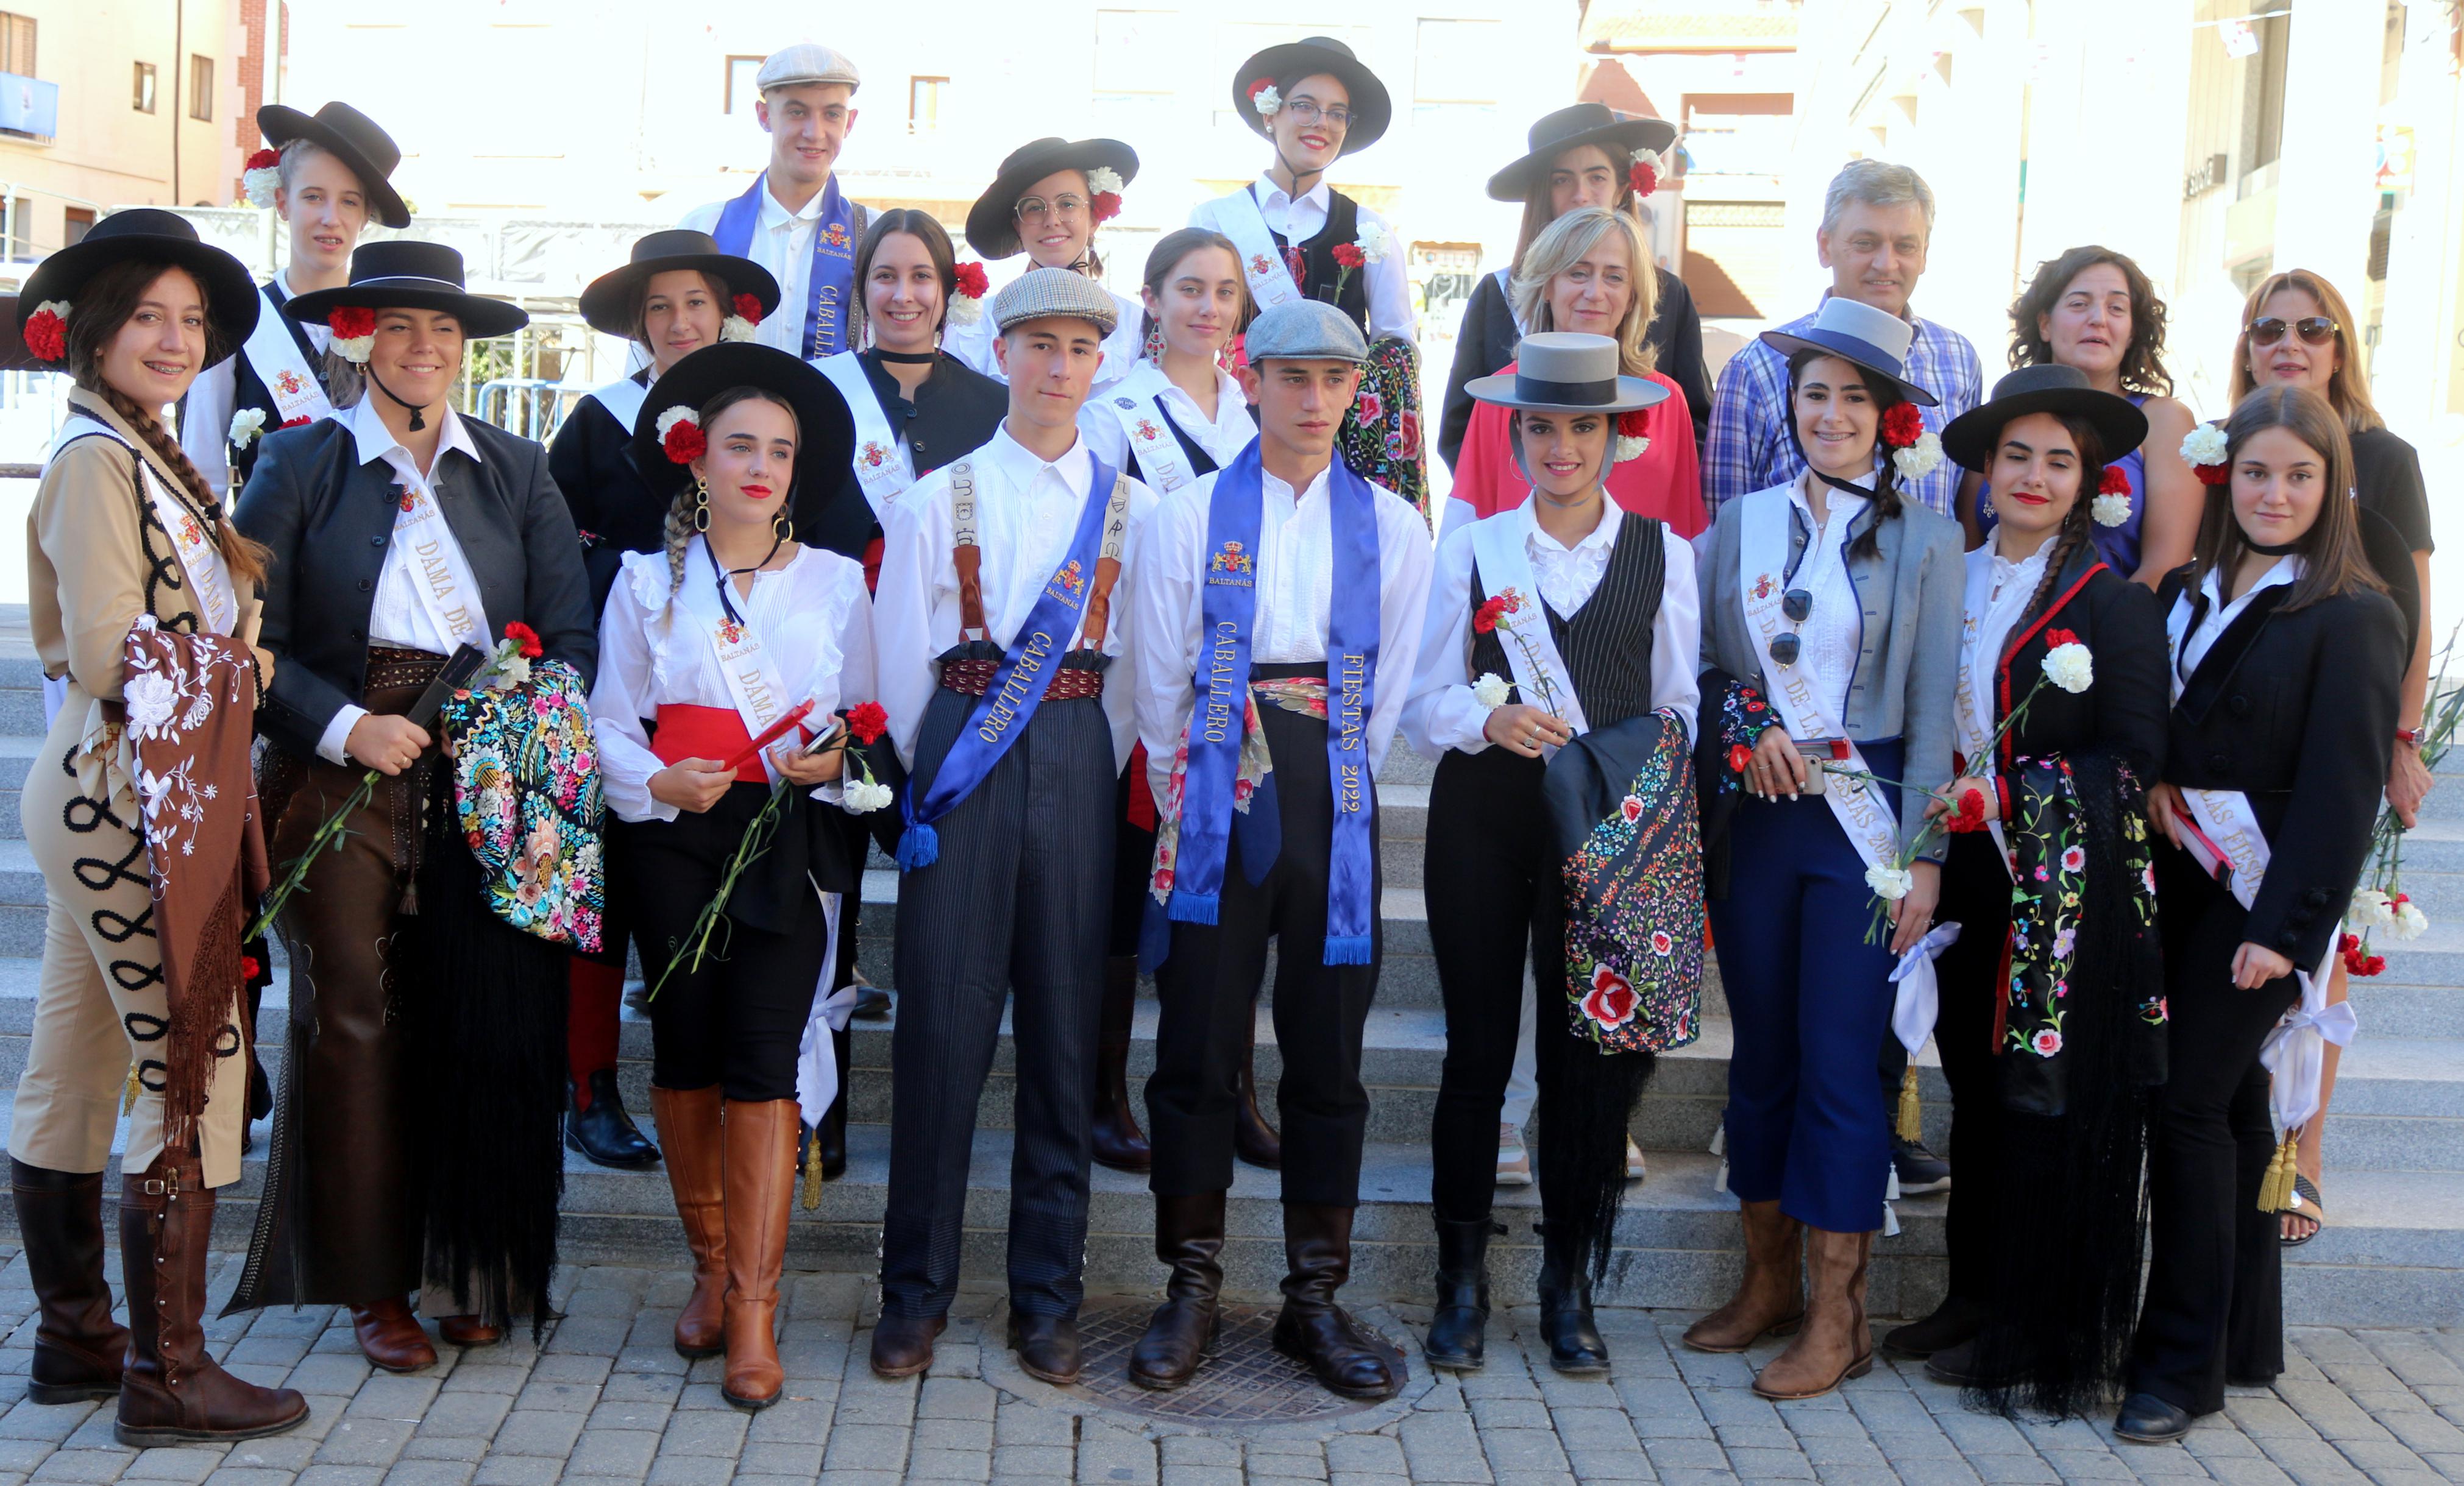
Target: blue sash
[(1018, 685), (833, 271), (1230, 607)]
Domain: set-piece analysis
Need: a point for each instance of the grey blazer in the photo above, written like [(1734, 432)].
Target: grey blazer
[(1911, 589)]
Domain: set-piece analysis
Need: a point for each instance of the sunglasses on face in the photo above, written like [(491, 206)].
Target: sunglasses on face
[(2313, 330), (1795, 603)]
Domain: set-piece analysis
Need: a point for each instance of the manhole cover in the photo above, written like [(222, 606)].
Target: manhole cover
[(1246, 1382)]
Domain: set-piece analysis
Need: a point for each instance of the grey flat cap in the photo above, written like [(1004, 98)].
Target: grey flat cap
[(1041, 293), (1305, 330), (806, 63)]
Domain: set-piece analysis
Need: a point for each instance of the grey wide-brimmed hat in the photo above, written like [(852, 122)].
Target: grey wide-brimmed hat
[(1860, 334), (1043, 294), (1970, 438), (804, 63), (1305, 330), (1567, 371), (992, 222), (1621, 134), (607, 304)]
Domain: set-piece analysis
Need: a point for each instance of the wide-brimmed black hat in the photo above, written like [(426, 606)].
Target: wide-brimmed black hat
[(992, 222), (1288, 63), (2063, 391), (825, 429), (147, 234), (1861, 336), (350, 137), (1621, 134), (608, 304), (403, 274)]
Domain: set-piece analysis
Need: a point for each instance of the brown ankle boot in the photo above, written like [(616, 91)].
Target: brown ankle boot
[(1119, 1142), (1836, 1345), (79, 1348), (688, 1128), (760, 1178), (174, 1392), (1253, 1139), (1189, 1237), (1770, 1297)]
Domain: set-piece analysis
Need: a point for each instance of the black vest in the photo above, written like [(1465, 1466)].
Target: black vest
[(1319, 271), (1607, 641)]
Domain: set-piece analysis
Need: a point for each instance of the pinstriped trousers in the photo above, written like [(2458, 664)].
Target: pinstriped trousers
[(1017, 905)]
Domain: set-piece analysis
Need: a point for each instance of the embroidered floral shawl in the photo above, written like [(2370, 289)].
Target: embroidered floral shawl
[(527, 787)]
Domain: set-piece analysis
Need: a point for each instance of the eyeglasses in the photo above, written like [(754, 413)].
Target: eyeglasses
[(2313, 330), (1035, 209), (1795, 603), (1305, 111)]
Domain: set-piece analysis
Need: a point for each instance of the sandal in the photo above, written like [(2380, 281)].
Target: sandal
[(2306, 1206)]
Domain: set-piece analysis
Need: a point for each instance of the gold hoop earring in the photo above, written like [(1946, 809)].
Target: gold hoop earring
[(701, 504), (782, 527)]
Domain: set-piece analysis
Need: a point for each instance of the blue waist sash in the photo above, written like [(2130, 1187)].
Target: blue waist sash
[(1229, 607), (1018, 685), (827, 287)]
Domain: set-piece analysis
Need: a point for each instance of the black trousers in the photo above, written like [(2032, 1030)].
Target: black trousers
[(1208, 988), (2215, 1270), (1976, 895), (1016, 911), (736, 1019)]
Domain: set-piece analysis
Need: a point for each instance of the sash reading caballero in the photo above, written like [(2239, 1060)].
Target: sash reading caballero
[(1081, 583), (1229, 607), (833, 273)]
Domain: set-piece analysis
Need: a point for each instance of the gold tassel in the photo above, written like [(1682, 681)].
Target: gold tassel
[(813, 1172), (128, 1095), (2275, 1187), (1911, 1114)]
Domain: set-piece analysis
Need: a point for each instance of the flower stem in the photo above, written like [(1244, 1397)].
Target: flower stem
[(329, 833)]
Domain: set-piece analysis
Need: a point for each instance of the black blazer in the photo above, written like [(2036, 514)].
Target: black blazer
[(328, 518), (2122, 716), (2295, 708)]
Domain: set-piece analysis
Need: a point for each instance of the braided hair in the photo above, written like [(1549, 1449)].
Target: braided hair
[(1886, 395)]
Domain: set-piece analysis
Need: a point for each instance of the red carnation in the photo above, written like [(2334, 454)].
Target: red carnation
[(1903, 426), (1106, 205), (2351, 942), (351, 321), (1485, 618), (2213, 474), (1970, 814), (527, 638), (263, 160), (867, 722), (1260, 86), (1630, 424), (748, 307), (1349, 255), (2375, 964), (2055, 639), (2116, 481), (684, 443), (971, 281), (1739, 756), (248, 967), (1644, 178), (47, 336), (298, 422)]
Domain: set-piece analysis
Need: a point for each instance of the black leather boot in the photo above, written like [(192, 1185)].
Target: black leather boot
[(1315, 1330), (79, 1348), (1189, 1237), (1253, 1139), (603, 1133), (1458, 1331), (1575, 1347), (1119, 1142), (831, 1133)]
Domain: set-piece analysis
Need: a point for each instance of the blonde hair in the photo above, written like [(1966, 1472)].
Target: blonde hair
[(1562, 244), (2348, 390)]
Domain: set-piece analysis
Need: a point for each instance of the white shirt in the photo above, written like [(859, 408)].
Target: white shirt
[(815, 620), (2221, 615), (1833, 630), (204, 417), (782, 241), (1997, 595), (1442, 712), (1295, 585), (399, 617), (1221, 436), (973, 345), (1026, 512), (1390, 285)]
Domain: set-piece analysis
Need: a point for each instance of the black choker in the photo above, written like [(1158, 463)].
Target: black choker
[(908, 358), (2283, 550)]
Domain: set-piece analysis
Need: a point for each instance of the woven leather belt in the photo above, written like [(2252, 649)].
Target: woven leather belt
[(974, 678), (390, 668)]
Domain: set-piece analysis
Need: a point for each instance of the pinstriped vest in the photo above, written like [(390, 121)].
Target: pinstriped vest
[(1607, 641)]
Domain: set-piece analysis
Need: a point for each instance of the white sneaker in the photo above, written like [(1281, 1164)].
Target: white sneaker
[(1513, 1162), (1634, 1168)]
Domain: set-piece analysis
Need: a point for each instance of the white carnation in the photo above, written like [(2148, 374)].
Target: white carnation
[(2071, 668), (245, 425), (260, 184), (2203, 444), (1104, 178), (735, 327), (354, 349), (1630, 446), (1490, 690), (1890, 883), (513, 673), (965, 310), (2110, 509), (1919, 459), (675, 416), (2409, 923), (863, 797), (1268, 102), (2370, 908), (1374, 242)]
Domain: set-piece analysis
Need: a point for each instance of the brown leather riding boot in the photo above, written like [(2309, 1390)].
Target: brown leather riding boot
[(1253, 1139), (1315, 1330), (1770, 1296), (760, 1140), (1119, 1142), (689, 1129), (1189, 1237), (1835, 1343), (173, 1391), (79, 1348)]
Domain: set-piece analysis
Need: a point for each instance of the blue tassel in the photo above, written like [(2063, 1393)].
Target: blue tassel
[(920, 847), (1346, 948), (1193, 907)]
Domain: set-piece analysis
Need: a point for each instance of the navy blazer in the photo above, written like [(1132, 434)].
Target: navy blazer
[(328, 518)]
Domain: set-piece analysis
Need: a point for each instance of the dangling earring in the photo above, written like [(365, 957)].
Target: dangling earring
[(1154, 341), (701, 504), (781, 527)]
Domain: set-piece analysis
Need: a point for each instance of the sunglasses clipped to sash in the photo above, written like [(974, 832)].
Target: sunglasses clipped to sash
[(2314, 330), (1795, 603)]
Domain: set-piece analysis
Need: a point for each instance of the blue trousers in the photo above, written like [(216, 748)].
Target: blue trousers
[(1810, 1000)]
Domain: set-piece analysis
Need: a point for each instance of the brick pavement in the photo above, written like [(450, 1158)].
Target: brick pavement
[(606, 1400)]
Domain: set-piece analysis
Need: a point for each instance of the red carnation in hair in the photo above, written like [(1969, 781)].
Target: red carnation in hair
[(1630, 424), (970, 281), (1903, 426), (2213, 474), (47, 336), (1106, 205), (867, 722), (263, 160), (748, 307), (684, 443), (2116, 481), (1643, 177), (351, 321), (1260, 86), (527, 638), (1349, 255)]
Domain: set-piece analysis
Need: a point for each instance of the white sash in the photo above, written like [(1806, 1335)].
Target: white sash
[(1503, 563), (753, 680), (1262, 262), (1980, 661), (1163, 463), (1762, 578), (881, 465), (2228, 835), (274, 356), (199, 558), (440, 573), (623, 398)]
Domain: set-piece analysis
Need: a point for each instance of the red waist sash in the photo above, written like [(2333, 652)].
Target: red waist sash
[(717, 733)]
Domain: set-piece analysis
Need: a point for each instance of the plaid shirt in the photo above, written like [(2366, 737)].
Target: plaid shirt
[(1749, 448)]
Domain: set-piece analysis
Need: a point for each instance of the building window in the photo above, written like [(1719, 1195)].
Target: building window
[(1456, 62), (743, 84), (201, 88), (144, 101), (924, 96), (2264, 124), (75, 221), (1136, 52), (17, 44)]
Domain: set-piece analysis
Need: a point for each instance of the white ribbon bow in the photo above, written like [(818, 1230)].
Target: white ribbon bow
[(817, 1059), (2295, 1053), (1920, 996)]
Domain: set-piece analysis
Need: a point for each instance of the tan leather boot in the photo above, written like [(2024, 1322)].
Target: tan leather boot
[(688, 1127), (1835, 1343), (1769, 1300), (760, 1178)]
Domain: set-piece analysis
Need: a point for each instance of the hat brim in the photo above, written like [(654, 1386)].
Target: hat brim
[(992, 222), (1500, 391), (1854, 353), (232, 303), (1970, 438), (482, 319), (1515, 181), (280, 125), (825, 429), (608, 303), (1373, 109)]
